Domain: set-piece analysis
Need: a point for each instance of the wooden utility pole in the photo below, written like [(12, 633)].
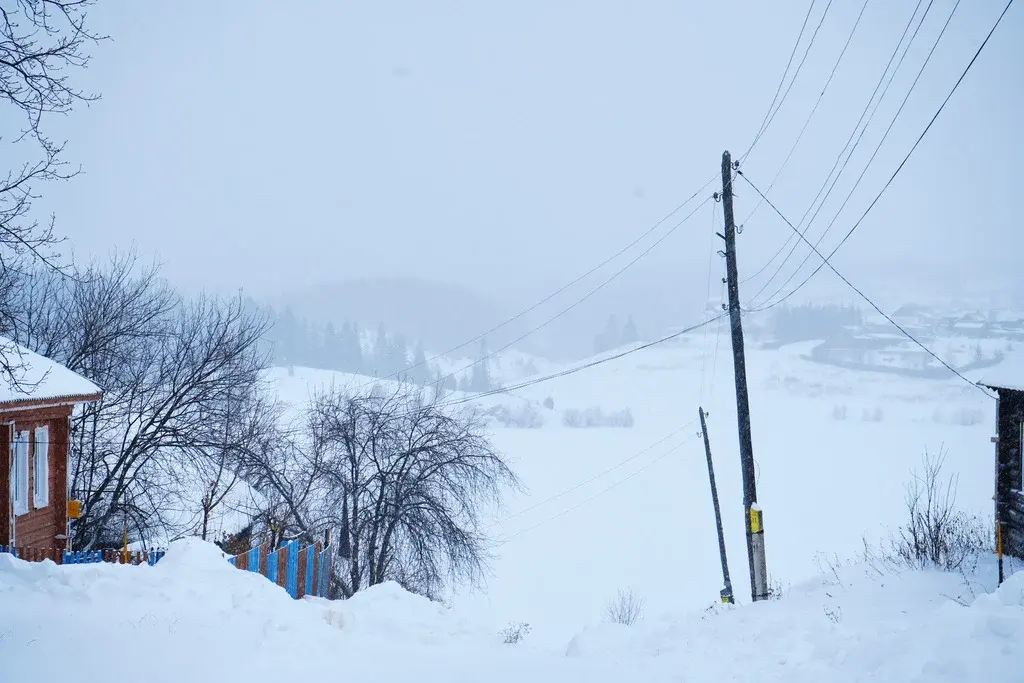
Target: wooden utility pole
[(755, 529), (727, 591)]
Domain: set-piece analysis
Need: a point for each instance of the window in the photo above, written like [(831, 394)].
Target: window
[(21, 473), (41, 467)]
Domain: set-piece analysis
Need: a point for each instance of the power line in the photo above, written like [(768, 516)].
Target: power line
[(874, 153), (902, 163), (599, 493), (579, 301), (800, 66), (825, 261), (800, 136), (764, 122), (847, 150), (707, 299), (580, 368), (596, 476), (552, 295), (718, 338)]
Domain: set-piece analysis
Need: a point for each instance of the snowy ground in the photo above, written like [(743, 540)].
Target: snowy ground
[(195, 618), (609, 509)]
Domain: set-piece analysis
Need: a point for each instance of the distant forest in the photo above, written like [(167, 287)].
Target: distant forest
[(296, 340)]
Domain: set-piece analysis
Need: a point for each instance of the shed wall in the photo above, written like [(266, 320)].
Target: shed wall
[(1009, 500)]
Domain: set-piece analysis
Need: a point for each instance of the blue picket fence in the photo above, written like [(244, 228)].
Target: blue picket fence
[(86, 556), (309, 563)]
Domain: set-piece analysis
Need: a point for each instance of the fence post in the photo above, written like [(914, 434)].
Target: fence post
[(271, 572), (310, 554), (292, 578)]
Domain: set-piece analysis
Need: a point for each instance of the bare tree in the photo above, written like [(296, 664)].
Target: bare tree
[(403, 481), (168, 368), (41, 43)]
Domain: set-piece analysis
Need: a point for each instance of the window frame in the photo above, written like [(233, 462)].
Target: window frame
[(20, 488), (41, 456)]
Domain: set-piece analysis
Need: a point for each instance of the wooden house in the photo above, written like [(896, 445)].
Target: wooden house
[(35, 411), (1007, 380)]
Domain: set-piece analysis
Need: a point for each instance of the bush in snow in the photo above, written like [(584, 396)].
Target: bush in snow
[(595, 417), (549, 403), (514, 633), (776, 591), (936, 534), (625, 608), (839, 412), (525, 417), (873, 415)]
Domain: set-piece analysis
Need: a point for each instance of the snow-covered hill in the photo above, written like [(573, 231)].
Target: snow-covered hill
[(193, 617), (613, 508)]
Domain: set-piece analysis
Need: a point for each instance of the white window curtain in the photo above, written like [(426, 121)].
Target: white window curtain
[(21, 473), (41, 467)]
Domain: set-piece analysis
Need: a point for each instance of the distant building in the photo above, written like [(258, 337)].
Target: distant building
[(36, 410)]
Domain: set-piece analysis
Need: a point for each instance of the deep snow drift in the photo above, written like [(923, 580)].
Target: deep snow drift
[(193, 617)]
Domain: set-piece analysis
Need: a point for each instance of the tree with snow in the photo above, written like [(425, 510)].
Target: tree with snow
[(629, 332), (419, 373), (480, 380)]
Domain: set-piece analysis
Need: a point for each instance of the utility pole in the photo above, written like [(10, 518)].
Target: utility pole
[(727, 591), (755, 528)]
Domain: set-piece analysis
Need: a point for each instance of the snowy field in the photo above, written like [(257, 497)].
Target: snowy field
[(606, 509), (834, 449), (195, 618)]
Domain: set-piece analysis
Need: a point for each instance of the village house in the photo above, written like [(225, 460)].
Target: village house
[(35, 409)]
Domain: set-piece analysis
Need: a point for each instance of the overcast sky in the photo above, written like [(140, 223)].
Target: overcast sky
[(510, 146)]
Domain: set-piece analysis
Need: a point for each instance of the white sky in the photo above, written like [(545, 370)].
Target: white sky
[(510, 146)]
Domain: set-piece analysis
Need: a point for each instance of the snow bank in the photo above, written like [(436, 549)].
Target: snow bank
[(851, 626), (193, 617)]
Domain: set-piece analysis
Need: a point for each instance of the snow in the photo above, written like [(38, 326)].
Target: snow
[(611, 508), (606, 509), (194, 617), (1009, 374), (38, 378)]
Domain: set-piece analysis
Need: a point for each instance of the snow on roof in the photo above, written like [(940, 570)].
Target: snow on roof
[(36, 378), (1009, 374)]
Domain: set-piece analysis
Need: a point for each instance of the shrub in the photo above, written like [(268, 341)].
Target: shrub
[(514, 633), (776, 591), (936, 534), (839, 412), (549, 403), (626, 608), (526, 417), (595, 417), (873, 415)]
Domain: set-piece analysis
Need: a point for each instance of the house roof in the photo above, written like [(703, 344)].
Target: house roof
[(37, 380), (1009, 374)]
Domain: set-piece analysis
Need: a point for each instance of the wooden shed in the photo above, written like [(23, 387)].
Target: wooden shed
[(1007, 380), (35, 411)]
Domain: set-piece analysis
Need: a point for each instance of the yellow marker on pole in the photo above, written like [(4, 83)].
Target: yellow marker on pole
[(757, 552), (755, 520)]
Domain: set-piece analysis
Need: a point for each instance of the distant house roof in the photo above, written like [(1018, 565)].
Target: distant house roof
[(1009, 374), (37, 380)]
